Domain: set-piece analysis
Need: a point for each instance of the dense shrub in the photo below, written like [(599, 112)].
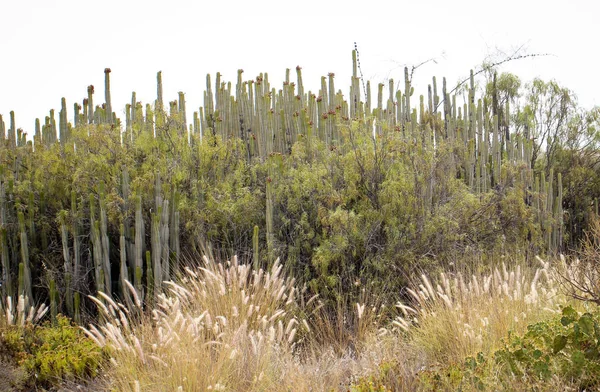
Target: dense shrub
[(561, 351), (51, 354)]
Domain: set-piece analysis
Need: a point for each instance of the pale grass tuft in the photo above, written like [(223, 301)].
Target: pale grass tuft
[(463, 318), (23, 313)]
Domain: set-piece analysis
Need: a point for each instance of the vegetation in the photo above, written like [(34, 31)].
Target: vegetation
[(49, 354), (363, 201)]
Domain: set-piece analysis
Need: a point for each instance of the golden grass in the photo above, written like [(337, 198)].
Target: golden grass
[(21, 312), (227, 327), (455, 317)]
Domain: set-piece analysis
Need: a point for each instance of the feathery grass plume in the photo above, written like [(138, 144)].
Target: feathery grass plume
[(196, 326), (227, 325), (463, 318), (9, 315)]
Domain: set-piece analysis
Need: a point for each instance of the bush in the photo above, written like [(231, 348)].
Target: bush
[(50, 353), (552, 354)]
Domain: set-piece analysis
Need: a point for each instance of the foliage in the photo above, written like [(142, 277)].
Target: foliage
[(387, 378), (564, 350), (51, 354), (350, 193)]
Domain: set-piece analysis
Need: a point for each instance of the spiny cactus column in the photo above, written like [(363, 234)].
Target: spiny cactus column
[(105, 243), (90, 104), (77, 306), (149, 280), (68, 270), (159, 91), (96, 246), (53, 301), (2, 129), (123, 275), (108, 108), (25, 285), (12, 131), (62, 122), (139, 246), (175, 249), (182, 113), (558, 216), (76, 241), (7, 288), (156, 250)]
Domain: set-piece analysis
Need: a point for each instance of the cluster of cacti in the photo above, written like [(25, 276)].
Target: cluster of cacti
[(144, 246)]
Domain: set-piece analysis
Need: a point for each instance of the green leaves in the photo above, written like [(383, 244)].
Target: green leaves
[(52, 354), (559, 343), (567, 346)]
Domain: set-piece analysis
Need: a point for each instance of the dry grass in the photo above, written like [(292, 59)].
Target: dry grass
[(21, 312), (227, 327), (455, 317)]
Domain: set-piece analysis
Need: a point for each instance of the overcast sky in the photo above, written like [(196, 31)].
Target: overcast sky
[(56, 48)]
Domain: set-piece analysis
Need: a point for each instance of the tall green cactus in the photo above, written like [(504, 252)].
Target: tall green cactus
[(159, 91), (156, 250), (77, 306), (76, 240), (106, 268), (53, 301), (150, 283), (107, 100), (62, 122), (90, 104), (96, 246), (26, 287), (139, 245), (7, 285), (123, 274), (12, 131)]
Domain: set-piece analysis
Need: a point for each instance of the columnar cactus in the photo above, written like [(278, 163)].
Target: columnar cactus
[(12, 132), (159, 91), (123, 274), (105, 242), (139, 245), (53, 301), (90, 104), (76, 240), (7, 285), (25, 285), (107, 100)]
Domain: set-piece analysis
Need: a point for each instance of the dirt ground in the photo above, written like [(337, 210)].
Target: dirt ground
[(11, 377)]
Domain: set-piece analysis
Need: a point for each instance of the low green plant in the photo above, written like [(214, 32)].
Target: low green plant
[(568, 347), (51, 354), (387, 378), (561, 351), (471, 375)]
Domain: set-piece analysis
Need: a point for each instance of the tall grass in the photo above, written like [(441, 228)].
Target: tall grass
[(226, 326), (20, 313), (458, 316)]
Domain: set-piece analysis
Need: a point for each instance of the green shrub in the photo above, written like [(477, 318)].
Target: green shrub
[(562, 351), (388, 378), (568, 347), (51, 353)]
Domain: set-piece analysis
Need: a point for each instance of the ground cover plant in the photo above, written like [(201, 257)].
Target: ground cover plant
[(364, 201)]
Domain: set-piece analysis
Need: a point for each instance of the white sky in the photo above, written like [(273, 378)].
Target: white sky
[(51, 48)]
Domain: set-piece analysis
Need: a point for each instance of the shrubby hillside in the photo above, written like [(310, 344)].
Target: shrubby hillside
[(356, 194)]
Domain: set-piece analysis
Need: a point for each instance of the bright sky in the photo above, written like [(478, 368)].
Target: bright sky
[(56, 48)]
